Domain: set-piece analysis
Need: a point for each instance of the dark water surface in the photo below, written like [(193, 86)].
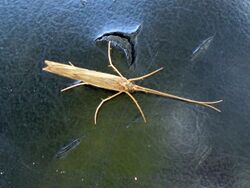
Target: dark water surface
[(182, 145)]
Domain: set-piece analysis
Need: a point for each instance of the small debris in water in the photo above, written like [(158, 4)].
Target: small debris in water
[(83, 2), (202, 48), (67, 148), (63, 172)]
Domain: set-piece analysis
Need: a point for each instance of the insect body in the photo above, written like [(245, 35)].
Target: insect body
[(112, 82), (90, 77)]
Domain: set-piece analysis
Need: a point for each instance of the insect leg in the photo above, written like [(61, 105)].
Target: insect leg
[(75, 85), (146, 75), (103, 101), (110, 60), (137, 105), (71, 64)]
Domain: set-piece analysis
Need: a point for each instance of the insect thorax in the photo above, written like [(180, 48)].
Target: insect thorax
[(128, 86)]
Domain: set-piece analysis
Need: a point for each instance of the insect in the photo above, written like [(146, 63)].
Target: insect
[(117, 83)]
